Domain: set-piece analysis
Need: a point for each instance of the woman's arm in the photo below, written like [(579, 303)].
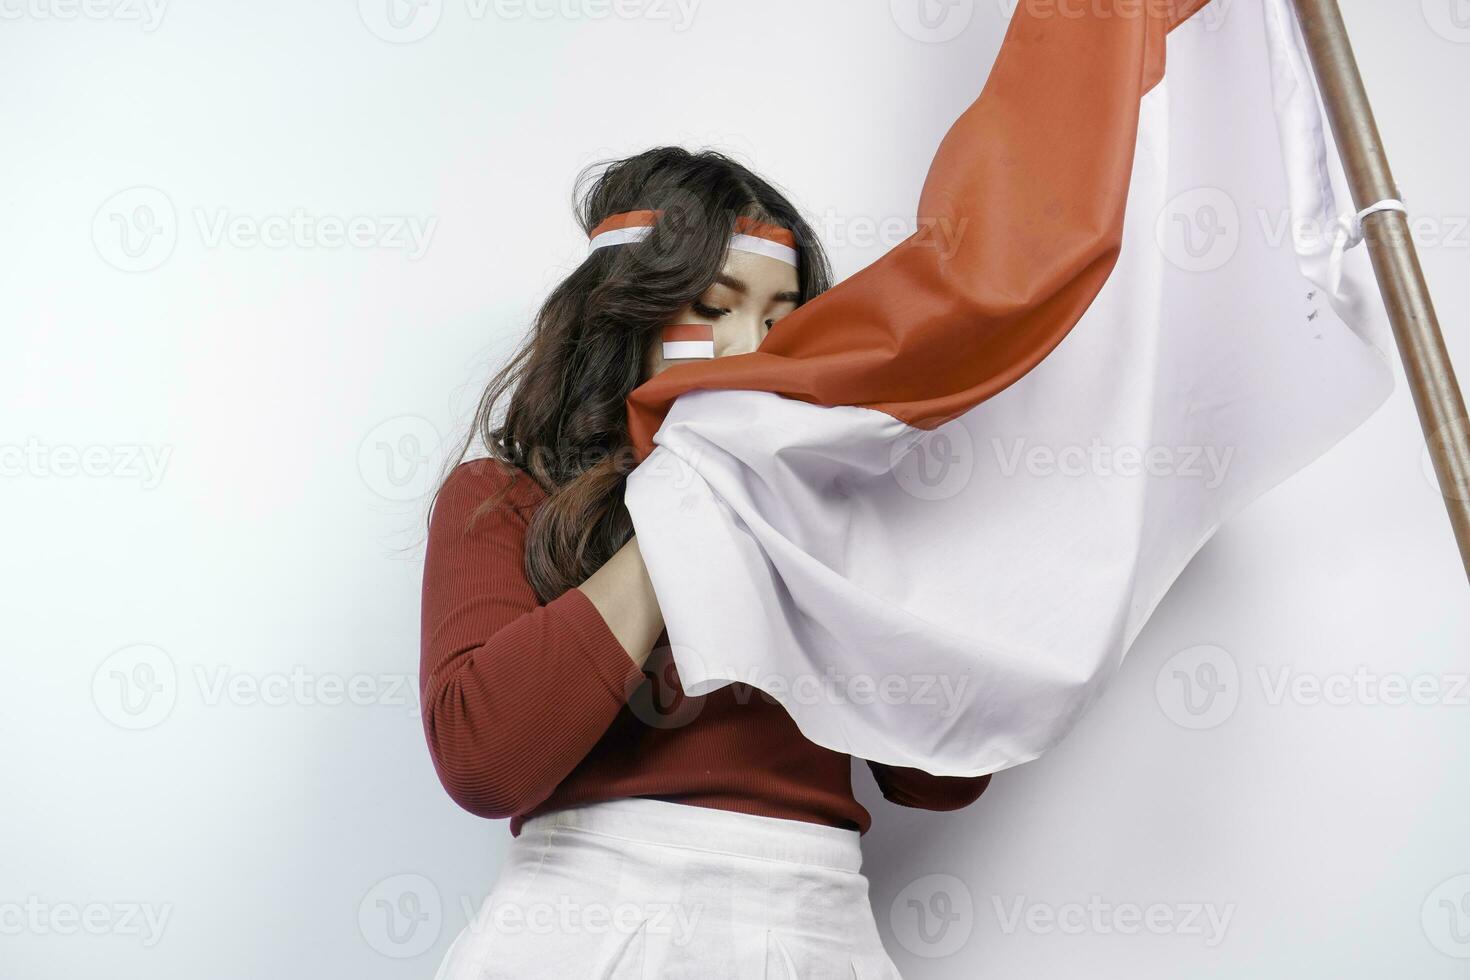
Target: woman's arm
[(917, 788), (623, 595), (516, 693)]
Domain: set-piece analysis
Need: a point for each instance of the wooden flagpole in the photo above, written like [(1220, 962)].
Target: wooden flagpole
[(1421, 345)]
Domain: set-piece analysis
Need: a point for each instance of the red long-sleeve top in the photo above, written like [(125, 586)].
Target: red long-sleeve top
[(530, 707)]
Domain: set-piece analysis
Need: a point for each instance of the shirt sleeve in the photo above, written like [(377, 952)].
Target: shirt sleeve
[(514, 693), (917, 788)]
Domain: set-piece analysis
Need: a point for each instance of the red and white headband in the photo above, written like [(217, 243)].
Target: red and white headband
[(750, 235), (685, 341)]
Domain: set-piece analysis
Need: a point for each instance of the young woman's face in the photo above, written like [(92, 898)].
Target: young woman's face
[(751, 293)]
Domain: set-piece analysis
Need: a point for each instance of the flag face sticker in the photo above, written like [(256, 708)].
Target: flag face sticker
[(688, 340), (933, 511)]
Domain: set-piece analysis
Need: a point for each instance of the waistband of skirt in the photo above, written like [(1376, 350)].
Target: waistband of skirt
[(702, 828)]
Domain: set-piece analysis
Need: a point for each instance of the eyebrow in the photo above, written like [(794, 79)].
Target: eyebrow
[(788, 296)]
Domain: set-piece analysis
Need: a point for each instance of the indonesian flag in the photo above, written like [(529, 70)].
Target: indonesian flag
[(932, 512)]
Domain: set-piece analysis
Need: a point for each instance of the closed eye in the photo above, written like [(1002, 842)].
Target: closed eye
[(710, 312)]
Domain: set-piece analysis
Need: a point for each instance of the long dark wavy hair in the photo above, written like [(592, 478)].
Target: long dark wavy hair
[(557, 412)]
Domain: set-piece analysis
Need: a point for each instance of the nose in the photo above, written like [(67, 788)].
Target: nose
[(741, 336)]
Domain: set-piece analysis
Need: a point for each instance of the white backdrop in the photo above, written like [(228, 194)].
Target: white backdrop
[(258, 259)]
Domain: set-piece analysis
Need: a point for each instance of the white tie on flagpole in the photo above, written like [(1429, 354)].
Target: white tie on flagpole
[(1352, 224)]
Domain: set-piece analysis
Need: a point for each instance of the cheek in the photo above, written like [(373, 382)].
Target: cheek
[(653, 359), (739, 334)]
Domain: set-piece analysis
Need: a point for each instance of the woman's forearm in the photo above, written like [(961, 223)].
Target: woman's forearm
[(623, 593)]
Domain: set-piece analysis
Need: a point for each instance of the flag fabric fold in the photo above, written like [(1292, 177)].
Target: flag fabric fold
[(933, 511)]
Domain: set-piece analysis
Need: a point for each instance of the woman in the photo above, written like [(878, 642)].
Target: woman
[(653, 834)]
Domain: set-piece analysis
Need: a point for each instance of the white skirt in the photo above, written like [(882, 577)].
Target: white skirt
[(641, 889)]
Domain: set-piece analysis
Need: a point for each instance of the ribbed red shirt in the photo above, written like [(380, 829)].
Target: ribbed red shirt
[(530, 707)]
